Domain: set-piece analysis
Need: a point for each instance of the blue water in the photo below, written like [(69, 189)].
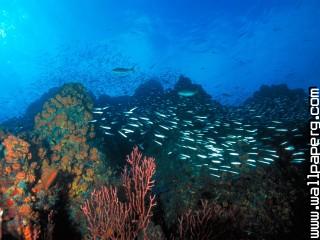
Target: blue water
[(226, 46)]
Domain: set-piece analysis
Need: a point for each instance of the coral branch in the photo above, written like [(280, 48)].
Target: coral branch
[(137, 181), (108, 218), (208, 222)]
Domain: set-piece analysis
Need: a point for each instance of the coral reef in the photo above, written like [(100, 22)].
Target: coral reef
[(63, 127), (59, 159), (18, 176), (265, 199), (266, 208), (48, 172)]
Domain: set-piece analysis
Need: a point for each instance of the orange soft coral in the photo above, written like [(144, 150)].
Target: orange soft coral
[(94, 154), (30, 233), (8, 170), (20, 176), (16, 166), (25, 210), (63, 124), (16, 149)]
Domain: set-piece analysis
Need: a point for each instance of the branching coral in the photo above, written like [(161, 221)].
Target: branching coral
[(109, 218), (210, 221), (137, 182)]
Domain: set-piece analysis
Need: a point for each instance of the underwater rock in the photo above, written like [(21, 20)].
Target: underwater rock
[(265, 197), (203, 152), (18, 176), (210, 221), (16, 125), (68, 145), (277, 102), (274, 91), (26, 121), (150, 88), (194, 138), (154, 232)]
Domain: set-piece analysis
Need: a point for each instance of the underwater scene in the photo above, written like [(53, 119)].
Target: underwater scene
[(160, 120)]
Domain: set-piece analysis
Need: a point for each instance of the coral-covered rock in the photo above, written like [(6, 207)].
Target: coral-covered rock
[(63, 126), (15, 149), (210, 221), (17, 177), (265, 198)]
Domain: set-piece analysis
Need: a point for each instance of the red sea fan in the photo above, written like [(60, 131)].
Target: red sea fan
[(210, 221), (109, 218)]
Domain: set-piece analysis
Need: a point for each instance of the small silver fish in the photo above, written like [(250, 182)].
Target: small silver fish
[(122, 134)]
